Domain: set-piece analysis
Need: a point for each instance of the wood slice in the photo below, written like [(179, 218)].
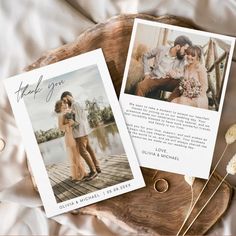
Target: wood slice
[(150, 212), (143, 210)]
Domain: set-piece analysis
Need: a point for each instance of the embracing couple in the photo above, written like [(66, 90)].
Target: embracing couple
[(72, 120), (178, 69)]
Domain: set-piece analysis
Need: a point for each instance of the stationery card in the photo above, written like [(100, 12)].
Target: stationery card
[(172, 95), (74, 133)]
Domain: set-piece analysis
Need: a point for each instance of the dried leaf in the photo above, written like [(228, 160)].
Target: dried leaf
[(231, 167), (189, 179), (230, 135)]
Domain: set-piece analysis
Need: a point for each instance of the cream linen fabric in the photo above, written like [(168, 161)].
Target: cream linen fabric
[(30, 28)]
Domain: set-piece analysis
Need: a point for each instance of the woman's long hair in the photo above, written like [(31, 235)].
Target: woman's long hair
[(58, 106)]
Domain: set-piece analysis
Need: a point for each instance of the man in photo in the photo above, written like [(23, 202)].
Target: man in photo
[(168, 67), (81, 130)]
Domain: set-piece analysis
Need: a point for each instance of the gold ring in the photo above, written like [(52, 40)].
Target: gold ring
[(161, 185), (2, 144)]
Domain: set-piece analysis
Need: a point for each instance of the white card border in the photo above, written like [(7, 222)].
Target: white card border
[(123, 97), (53, 208)]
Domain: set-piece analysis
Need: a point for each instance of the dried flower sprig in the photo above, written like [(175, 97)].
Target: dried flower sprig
[(230, 137), (189, 180), (230, 169)]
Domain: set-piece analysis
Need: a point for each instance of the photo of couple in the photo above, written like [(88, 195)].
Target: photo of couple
[(77, 135), (177, 67), (73, 122)]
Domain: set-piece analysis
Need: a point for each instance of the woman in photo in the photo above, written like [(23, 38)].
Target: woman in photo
[(65, 124), (194, 83)]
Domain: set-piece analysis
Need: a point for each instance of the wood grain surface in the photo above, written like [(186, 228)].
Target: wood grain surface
[(150, 212), (143, 211), (115, 169)]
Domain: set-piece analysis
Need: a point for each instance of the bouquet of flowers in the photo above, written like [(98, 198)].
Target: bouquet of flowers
[(190, 87), (69, 116)]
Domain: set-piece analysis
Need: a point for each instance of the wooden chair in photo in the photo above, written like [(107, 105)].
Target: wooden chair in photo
[(216, 68)]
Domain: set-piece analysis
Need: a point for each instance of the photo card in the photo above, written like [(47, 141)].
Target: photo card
[(172, 95), (74, 133)]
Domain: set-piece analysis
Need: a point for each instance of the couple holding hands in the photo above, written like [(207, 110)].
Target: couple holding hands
[(72, 120), (178, 69)]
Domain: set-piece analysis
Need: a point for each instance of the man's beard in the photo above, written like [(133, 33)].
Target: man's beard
[(179, 55), (69, 103)]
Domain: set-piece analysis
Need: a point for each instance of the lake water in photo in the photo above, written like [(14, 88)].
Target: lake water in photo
[(104, 140)]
